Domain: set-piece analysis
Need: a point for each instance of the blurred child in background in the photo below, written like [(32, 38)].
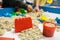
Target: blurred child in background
[(20, 4)]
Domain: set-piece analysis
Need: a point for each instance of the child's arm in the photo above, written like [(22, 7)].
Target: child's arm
[(36, 3)]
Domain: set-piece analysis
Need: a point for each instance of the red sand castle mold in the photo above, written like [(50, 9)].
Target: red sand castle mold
[(23, 24), (3, 38), (49, 29)]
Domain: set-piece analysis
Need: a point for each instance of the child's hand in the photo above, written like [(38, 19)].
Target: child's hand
[(29, 8), (36, 9)]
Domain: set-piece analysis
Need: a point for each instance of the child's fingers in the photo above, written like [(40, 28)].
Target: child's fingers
[(36, 10), (29, 9)]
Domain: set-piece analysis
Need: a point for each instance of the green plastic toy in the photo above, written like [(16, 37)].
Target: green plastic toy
[(19, 13), (13, 13), (22, 11)]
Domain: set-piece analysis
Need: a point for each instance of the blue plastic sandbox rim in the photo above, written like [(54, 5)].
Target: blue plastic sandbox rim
[(50, 9), (6, 10)]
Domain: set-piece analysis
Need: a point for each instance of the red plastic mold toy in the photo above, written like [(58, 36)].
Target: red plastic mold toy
[(3, 38), (23, 24)]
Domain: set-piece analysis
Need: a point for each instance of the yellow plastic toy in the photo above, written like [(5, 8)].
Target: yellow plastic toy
[(43, 17), (42, 2), (49, 1), (18, 13)]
